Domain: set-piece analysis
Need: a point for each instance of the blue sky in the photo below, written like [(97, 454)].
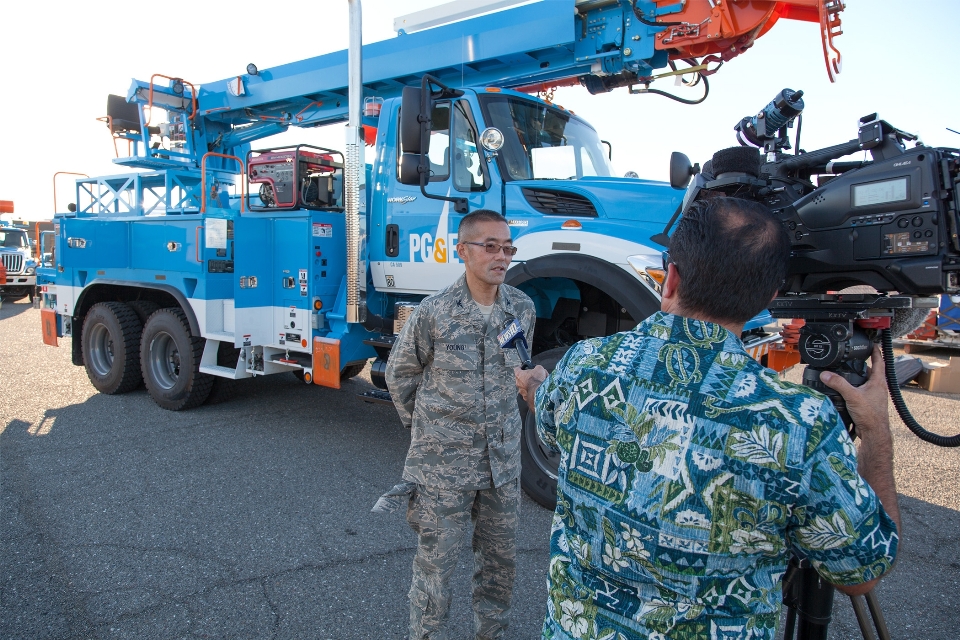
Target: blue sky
[(62, 61)]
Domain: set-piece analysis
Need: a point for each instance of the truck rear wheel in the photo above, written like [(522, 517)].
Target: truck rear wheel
[(110, 342), (170, 359), (539, 463), (143, 308)]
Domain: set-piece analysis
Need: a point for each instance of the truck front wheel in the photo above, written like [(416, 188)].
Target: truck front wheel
[(111, 349), (539, 463), (170, 359)]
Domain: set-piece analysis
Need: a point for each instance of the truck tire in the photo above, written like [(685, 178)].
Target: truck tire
[(352, 370), (143, 308), (170, 359), (110, 341), (538, 470)]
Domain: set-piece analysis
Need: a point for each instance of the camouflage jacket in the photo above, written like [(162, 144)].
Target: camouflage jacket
[(453, 384)]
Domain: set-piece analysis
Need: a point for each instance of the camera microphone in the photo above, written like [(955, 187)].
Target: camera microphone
[(512, 338)]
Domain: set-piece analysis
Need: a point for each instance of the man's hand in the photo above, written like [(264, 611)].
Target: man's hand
[(867, 403), (528, 381)]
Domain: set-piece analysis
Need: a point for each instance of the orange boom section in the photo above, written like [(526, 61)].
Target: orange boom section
[(723, 29)]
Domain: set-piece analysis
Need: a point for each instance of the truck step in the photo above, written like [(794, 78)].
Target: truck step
[(378, 396), (222, 372), (383, 341)]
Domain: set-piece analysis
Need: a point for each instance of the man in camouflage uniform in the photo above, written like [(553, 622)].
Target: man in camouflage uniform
[(453, 384)]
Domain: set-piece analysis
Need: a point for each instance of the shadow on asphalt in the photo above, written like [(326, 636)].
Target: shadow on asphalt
[(10, 309)]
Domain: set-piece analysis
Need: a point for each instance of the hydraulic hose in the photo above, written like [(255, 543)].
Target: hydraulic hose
[(886, 345)]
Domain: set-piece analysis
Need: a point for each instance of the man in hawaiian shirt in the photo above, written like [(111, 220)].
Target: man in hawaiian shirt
[(453, 385), (689, 473)]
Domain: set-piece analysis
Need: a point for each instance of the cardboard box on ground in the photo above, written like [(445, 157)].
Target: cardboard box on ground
[(941, 377)]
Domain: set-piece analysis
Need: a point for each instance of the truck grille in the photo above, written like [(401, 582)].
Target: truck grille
[(560, 203), (13, 262)]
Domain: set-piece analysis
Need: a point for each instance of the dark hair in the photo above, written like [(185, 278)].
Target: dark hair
[(731, 255), (480, 215)]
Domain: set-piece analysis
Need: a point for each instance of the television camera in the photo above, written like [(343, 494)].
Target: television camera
[(888, 225)]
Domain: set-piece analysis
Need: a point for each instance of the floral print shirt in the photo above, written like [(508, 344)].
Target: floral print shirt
[(688, 475)]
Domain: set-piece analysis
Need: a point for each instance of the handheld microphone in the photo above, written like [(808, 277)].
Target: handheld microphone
[(512, 338)]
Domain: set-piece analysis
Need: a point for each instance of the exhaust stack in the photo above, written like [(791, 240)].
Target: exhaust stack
[(354, 170)]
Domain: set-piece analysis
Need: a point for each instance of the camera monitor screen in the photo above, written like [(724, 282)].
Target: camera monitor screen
[(874, 193)]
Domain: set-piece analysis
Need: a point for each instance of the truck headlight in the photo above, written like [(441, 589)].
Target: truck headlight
[(650, 269), (30, 271)]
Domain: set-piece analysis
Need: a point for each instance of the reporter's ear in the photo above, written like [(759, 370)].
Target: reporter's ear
[(671, 283)]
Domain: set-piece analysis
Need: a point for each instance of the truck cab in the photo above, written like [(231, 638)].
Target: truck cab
[(575, 224), (21, 267)]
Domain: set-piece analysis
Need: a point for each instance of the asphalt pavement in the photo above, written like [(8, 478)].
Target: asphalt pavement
[(249, 517)]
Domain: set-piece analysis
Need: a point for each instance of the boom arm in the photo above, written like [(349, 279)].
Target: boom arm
[(599, 43)]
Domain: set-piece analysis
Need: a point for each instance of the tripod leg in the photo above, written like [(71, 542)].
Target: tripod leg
[(860, 611), (790, 625), (878, 620)]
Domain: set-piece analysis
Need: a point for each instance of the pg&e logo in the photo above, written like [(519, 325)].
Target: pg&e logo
[(424, 248)]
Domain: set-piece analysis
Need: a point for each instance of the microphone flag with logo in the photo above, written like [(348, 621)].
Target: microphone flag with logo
[(512, 338)]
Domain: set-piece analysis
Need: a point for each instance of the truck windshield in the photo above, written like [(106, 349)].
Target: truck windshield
[(13, 238), (543, 142)]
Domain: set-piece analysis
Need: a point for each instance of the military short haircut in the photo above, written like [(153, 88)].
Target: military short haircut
[(731, 255), (470, 221)]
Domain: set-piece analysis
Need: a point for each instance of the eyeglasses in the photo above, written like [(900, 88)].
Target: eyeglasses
[(493, 247), (667, 261)]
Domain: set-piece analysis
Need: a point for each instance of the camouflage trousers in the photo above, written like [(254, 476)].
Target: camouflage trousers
[(439, 517)]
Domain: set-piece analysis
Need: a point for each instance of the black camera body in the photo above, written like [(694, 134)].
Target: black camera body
[(890, 222)]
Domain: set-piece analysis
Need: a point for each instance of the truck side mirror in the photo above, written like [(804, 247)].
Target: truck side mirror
[(681, 170), (411, 138), (409, 165)]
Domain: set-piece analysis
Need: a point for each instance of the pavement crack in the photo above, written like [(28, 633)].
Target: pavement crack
[(274, 609)]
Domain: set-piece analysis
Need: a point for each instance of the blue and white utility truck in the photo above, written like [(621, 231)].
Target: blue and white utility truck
[(222, 258)]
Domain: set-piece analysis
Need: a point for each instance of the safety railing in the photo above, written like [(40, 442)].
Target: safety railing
[(62, 173), (193, 95)]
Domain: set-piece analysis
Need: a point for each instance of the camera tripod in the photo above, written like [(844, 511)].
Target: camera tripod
[(808, 599), (833, 339)]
